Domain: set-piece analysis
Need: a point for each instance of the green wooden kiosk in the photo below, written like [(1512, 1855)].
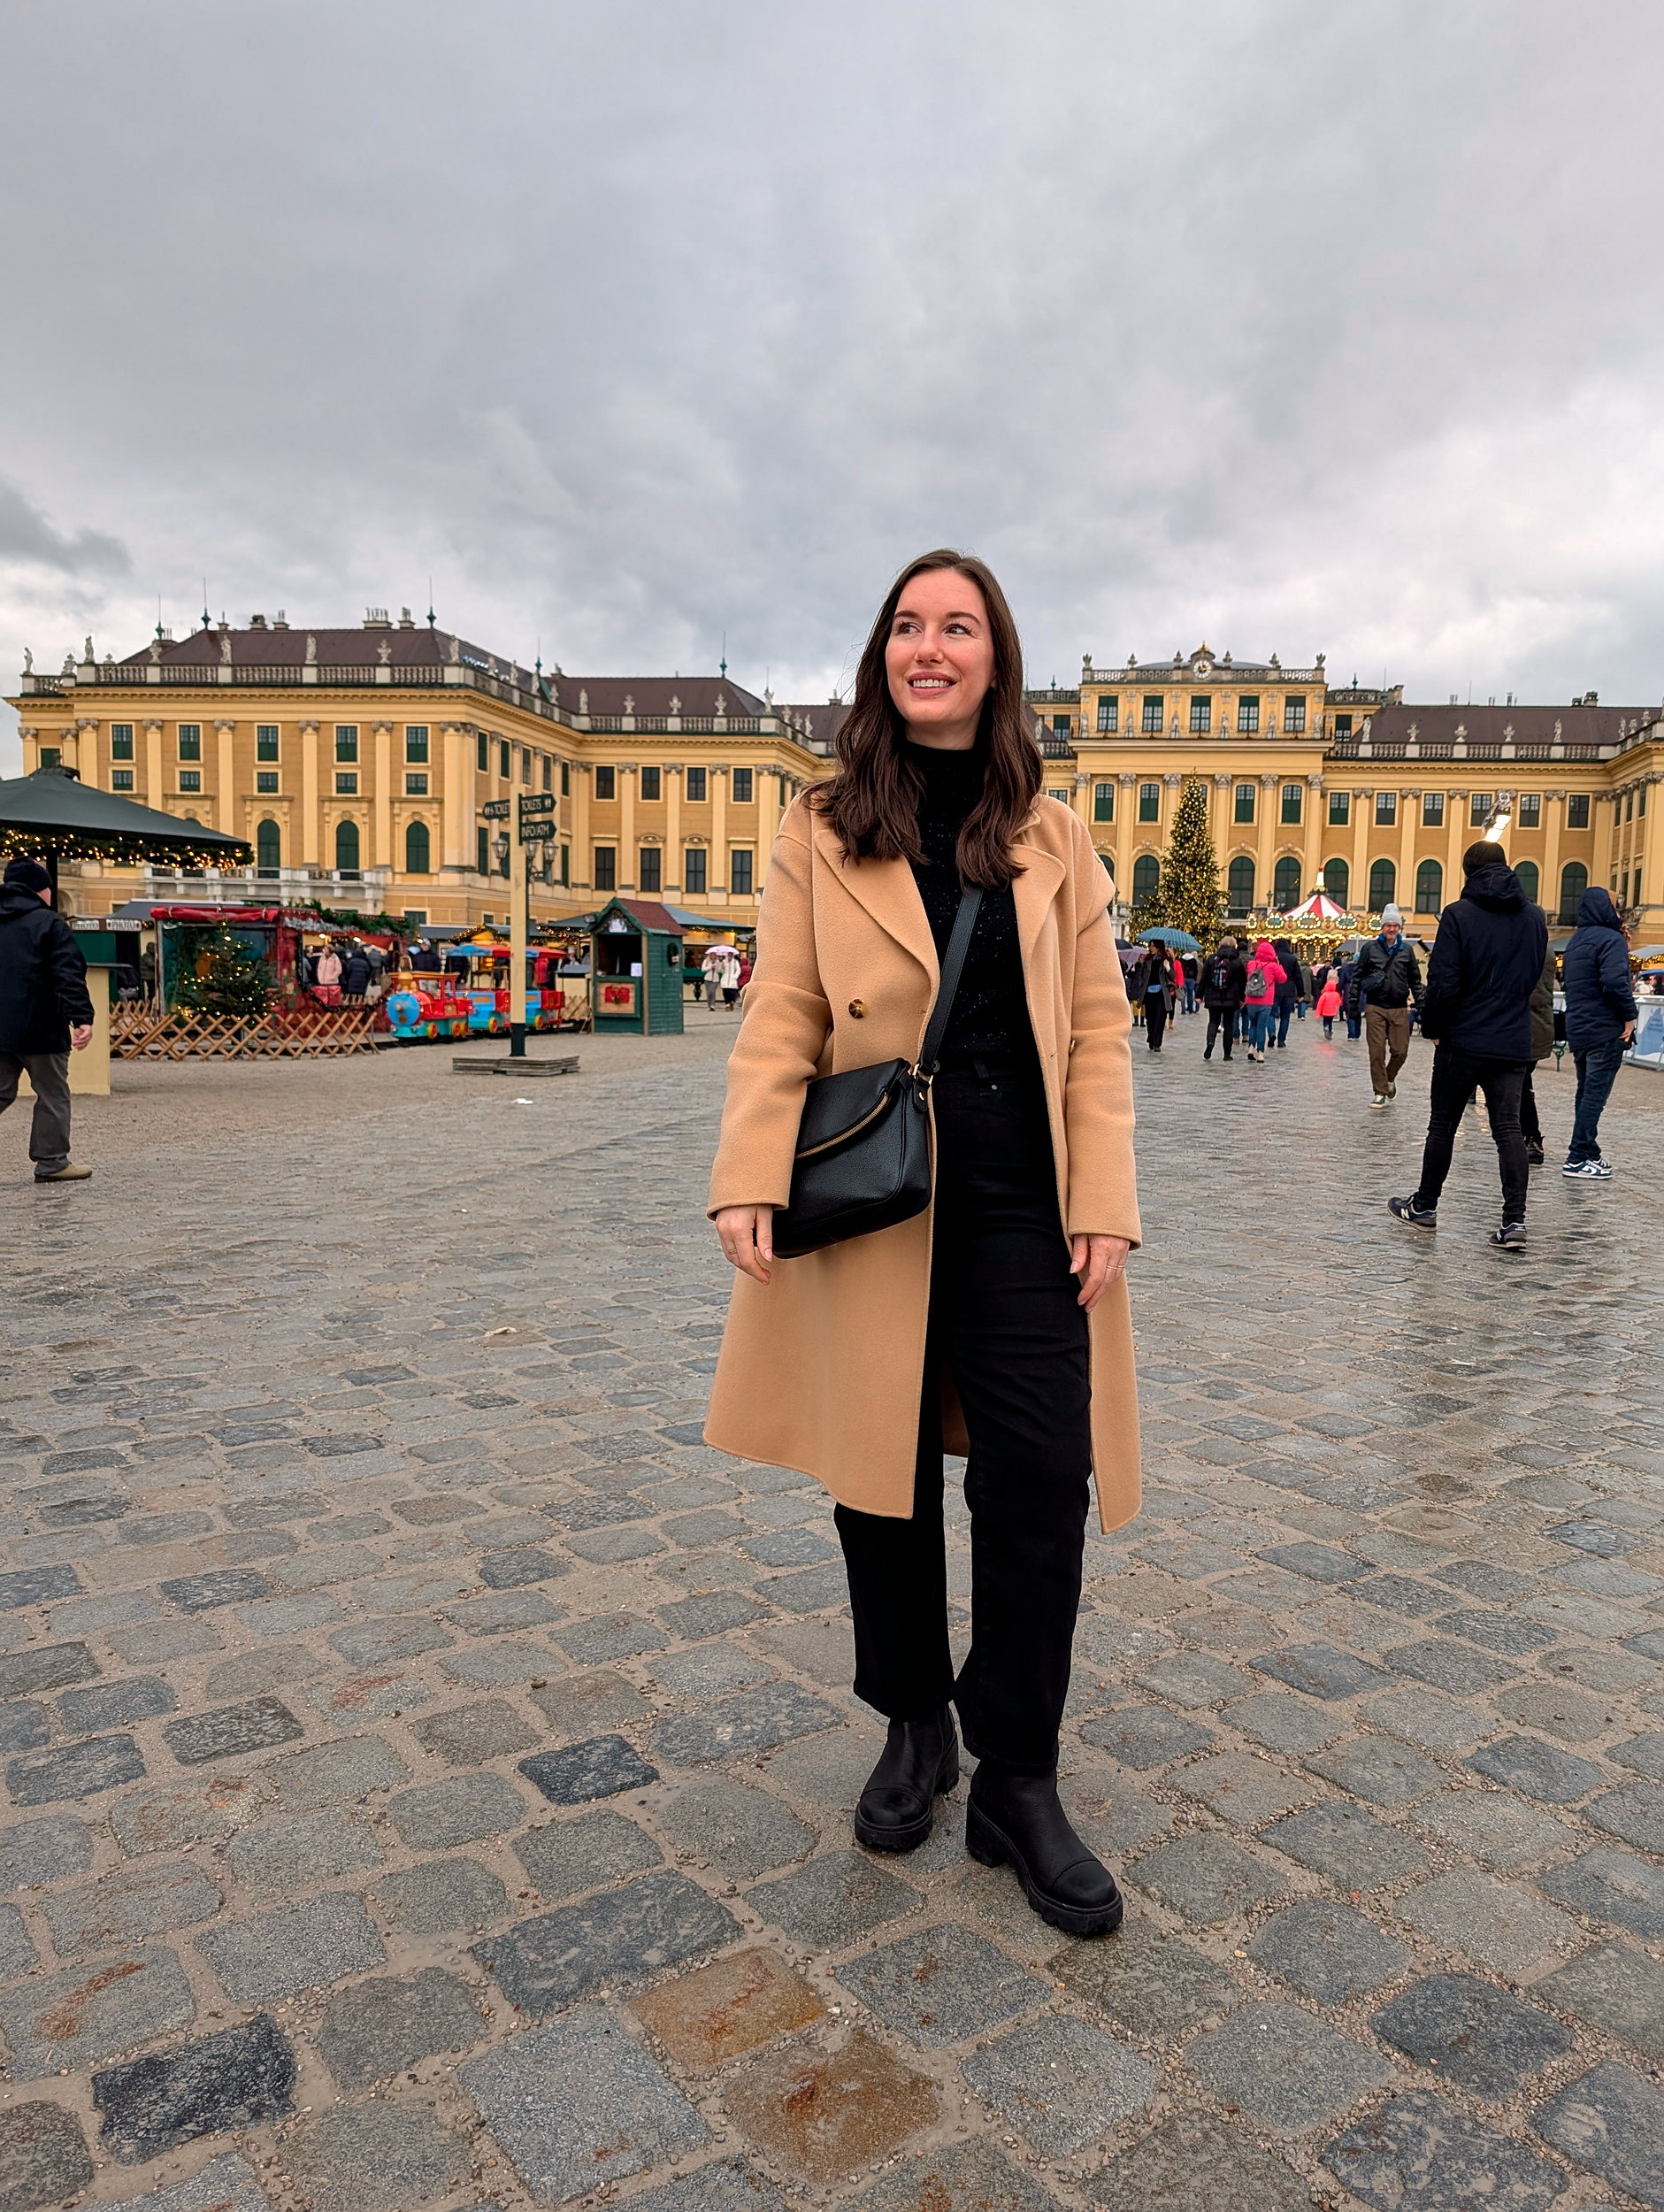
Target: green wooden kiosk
[(636, 968)]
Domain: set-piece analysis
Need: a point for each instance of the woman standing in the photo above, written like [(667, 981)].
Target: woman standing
[(1265, 973), (1155, 982), (996, 1322)]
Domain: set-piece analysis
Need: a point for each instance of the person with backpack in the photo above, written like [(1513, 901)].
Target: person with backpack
[(1487, 960), (1265, 973), (1600, 1019), (1224, 980), (1387, 978)]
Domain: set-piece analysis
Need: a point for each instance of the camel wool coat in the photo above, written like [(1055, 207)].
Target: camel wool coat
[(823, 1370)]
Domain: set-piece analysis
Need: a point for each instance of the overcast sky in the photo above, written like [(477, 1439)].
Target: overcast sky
[(1296, 327)]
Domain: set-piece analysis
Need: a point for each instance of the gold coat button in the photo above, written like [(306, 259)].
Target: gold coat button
[(1073, 1042), (858, 1007)]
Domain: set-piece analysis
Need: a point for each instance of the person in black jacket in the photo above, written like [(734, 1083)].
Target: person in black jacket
[(1288, 991), (1386, 980), (1224, 980), (1487, 960), (1152, 988), (1600, 1019), (45, 1013)]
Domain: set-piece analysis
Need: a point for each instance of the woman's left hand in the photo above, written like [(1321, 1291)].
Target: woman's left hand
[(1099, 1261)]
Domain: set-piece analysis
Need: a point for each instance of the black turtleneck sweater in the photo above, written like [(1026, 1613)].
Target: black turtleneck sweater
[(990, 1022)]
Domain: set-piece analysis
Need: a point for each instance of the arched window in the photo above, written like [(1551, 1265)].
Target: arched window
[(268, 847), (416, 849), (1239, 884), (1430, 888), (1286, 883), (1530, 881), (347, 849), (1146, 877), (1337, 880), (1384, 879), (1574, 881)]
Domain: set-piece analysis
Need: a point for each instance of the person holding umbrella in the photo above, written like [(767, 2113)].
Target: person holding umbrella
[(1155, 980)]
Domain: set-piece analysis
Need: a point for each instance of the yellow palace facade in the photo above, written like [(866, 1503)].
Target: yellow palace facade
[(359, 766), (1350, 788)]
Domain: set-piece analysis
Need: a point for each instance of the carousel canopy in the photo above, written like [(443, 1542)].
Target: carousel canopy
[(53, 812), (1319, 908)]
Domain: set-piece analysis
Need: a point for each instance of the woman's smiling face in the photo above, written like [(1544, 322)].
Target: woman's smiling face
[(940, 659)]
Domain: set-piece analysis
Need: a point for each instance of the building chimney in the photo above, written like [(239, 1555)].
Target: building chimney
[(282, 622), (376, 619)]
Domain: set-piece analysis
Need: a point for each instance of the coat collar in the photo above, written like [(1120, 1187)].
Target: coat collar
[(886, 888)]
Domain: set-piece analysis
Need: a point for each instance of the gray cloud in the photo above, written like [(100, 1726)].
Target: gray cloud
[(26, 537), (1299, 329)]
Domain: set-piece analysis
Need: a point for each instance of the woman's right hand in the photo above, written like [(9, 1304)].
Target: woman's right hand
[(747, 1239)]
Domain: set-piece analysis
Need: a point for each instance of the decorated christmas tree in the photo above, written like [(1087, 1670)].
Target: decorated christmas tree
[(1187, 895), (225, 978)]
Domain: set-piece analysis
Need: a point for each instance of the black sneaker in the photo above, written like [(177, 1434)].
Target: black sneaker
[(1510, 1237), (1418, 1216), (1533, 1154)]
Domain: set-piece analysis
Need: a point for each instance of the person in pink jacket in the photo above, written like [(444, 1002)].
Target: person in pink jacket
[(1328, 1003), (1265, 973)]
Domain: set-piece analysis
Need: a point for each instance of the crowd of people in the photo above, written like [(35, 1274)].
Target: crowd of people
[(343, 972), (1486, 1003)]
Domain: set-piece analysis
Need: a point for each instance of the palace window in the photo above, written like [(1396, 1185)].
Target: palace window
[(1240, 886), (1337, 880), (1061, 726), (547, 777), (566, 779), (742, 782), (482, 851), (268, 847), (1247, 718), (605, 783), (606, 867), (1342, 726), (1526, 871), (1286, 884), (347, 849), (121, 741), (1244, 802), (1531, 810), (652, 784), (650, 868), (740, 861), (346, 783), (190, 779), (1386, 809), (1384, 879), (1578, 815), (482, 745), (1294, 796), (122, 779), (1629, 812), (1478, 809), (1146, 877), (417, 849), (1103, 802), (1430, 888), (1151, 724), (190, 740), (1201, 717), (1432, 809), (416, 784), (265, 740), (1574, 881), (1061, 796), (51, 755), (1293, 717), (265, 780), (694, 869), (415, 741), (566, 866), (505, 765), (696, 785), (1340, 809), (1149, 803), (346, 741), (1108, 717)]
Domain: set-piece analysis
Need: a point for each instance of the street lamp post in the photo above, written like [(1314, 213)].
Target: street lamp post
[(535, 825)]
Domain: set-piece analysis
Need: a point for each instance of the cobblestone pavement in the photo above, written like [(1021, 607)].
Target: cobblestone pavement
[(428, 1767)]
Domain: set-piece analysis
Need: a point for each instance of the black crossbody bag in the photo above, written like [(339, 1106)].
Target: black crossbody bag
[(863, 1152)]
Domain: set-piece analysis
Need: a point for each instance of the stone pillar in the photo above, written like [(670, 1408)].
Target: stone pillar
[(1553, 823), (1456, 841), (1265, 841), (627, 829), (152, 763), (1409, 810), (224, 816), (1126, 828), (718, 873), (311, 837), (381, 800), (1362, 829), (457, 782), (767, 822), (673, 829), (1312, 841)]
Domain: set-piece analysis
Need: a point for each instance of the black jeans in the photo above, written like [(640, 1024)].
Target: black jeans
[(1004, 1317), (1155, 1015), (1221, 1018), (1456, 1074), (1597, 1072), (1530, 1121)]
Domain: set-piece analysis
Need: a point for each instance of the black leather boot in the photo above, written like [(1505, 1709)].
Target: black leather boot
[(920, 1761), (1015, 1820)]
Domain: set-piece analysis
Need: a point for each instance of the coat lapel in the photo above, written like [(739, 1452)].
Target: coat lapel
[(886, 888), (1033, 891)]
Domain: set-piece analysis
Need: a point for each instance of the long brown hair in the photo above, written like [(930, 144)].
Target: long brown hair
[(873, 801)]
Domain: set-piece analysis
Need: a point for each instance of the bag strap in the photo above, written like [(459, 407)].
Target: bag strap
[(953, 968)]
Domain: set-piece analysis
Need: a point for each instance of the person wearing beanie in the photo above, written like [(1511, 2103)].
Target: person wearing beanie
[(1224, 980), (1601, 1017), (1386, 980), (1486, 962), (45, 1013)]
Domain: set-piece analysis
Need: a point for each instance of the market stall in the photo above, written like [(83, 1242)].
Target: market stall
[(636, 968)]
